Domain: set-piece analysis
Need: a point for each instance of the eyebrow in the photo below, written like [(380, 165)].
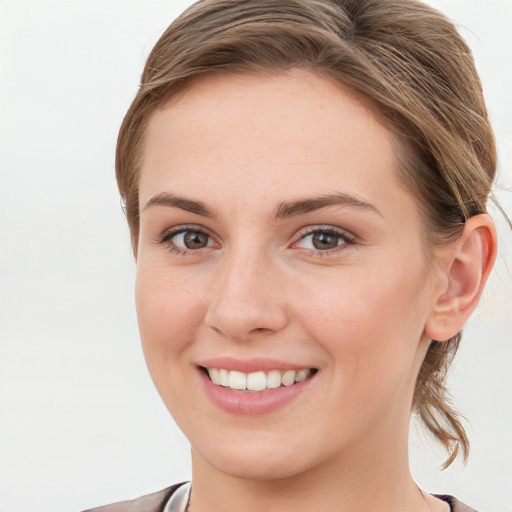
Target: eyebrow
[(173, 201), (284, 210), (303, 206)]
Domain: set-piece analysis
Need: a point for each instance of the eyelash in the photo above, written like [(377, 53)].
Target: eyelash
[(345, 238)]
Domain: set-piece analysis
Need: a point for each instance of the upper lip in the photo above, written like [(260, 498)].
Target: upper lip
[(251, 365)]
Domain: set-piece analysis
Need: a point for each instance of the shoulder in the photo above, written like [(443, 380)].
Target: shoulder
[(154, 502), (455, 504)]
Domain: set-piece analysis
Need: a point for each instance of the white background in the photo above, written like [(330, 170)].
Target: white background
[(80, 422)]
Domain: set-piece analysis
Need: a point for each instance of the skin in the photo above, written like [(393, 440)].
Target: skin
[(361, 312)]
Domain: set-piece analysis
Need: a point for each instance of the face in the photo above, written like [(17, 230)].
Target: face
[(279, 252)]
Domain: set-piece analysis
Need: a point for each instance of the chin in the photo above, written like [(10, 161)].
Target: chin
[(257, 469), (254, 461)]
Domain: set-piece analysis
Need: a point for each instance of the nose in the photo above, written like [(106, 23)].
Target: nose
[(247, 300)]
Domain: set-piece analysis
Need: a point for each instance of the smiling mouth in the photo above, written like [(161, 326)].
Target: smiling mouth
[(257, 381)]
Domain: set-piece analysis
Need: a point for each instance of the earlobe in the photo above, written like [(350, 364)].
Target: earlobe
[(468, 263)]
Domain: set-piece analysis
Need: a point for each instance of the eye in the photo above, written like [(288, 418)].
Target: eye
[(184, 239), (324, 239), (191, 240)]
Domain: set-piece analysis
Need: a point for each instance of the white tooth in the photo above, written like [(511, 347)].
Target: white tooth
[(214, 375), (302, 375), (224, 377), (237, 380), (256, 381), (288, 378), (273, 379)]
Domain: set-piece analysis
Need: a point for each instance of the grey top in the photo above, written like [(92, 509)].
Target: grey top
[(175, 498)]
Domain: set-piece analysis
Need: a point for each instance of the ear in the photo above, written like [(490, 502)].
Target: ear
[(466, 265)]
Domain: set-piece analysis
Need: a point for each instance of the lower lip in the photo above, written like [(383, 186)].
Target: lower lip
[(247, 403)]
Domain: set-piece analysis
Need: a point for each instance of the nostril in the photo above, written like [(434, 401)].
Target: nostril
[(260, 330)]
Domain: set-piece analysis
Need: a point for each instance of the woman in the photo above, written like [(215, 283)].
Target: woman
[(306, 186)]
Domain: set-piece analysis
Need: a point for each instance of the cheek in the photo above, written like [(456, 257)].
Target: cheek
[(368, 322), (168, 313)]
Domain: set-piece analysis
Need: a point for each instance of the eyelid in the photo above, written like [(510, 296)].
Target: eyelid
[(307, 230), (170, 232)]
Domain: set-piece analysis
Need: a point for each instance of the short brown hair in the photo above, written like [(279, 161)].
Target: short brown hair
[(403, 57)]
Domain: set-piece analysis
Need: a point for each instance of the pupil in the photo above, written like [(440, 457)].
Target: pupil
[(325, 241), (195, 240)]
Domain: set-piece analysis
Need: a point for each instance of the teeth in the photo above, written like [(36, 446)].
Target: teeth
[(273, 379), (237, 380), (302, 375), (288, 378), (214, 375), (256, 381), (224, 378)]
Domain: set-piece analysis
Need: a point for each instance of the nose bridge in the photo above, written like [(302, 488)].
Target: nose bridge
[(246, 299)]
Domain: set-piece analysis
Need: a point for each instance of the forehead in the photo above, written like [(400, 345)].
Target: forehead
[(294, 132)]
